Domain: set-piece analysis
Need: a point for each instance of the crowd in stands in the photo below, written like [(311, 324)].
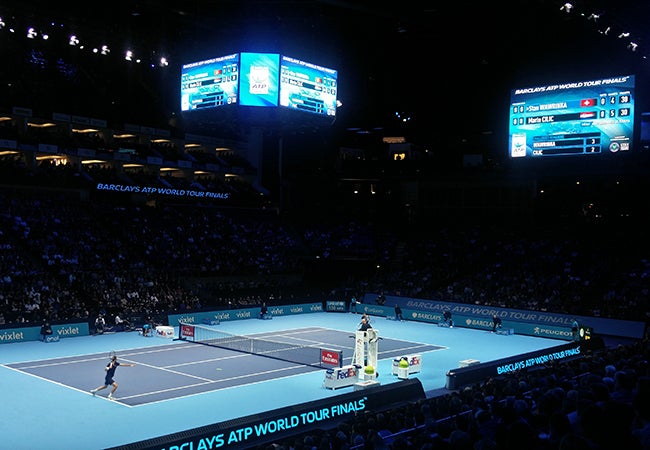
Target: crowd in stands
[(597, 272), (596, 402), (66, 257)]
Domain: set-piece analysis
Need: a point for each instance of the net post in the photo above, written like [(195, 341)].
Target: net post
[(185, 330)]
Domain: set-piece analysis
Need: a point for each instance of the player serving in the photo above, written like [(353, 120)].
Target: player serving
[(110, 369)]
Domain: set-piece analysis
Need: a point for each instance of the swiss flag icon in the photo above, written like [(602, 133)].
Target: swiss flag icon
[(587, 102)]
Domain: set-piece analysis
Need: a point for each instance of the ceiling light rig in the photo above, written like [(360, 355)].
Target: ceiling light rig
[(616, 30), (69, 35), (567, 7)]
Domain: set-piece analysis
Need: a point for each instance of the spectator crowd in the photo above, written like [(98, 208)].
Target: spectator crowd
[(65, 258)]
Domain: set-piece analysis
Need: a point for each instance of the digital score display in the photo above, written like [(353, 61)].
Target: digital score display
[(210, 83), (593, 117), (253, 79), (307, 87)]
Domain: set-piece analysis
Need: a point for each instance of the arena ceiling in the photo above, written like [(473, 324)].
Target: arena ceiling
[(429, 60)]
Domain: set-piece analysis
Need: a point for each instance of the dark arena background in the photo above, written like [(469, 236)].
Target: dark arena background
[(471, 177)]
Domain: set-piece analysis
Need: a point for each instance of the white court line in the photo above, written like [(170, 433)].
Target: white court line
[(221, 358), (96, 356), (124, 355), (415, 347), (222, 380)]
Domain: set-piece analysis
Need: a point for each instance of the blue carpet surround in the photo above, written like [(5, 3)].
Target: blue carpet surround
[(176, 387)]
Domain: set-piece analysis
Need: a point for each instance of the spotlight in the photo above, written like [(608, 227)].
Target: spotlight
[(73, 40), (623, 34), (632, 46), (593, 17), (128, 55), (31, 33), (105, 50), (567, 7)]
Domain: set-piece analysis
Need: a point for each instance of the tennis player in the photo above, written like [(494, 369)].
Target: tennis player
[(110, 369)]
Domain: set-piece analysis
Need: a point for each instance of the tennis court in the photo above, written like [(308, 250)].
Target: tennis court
[(177, 386), (171, 371)]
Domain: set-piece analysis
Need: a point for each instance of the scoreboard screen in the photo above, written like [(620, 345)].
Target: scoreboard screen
[(307, 87), (592, 117), (259, 80), (210, 83)]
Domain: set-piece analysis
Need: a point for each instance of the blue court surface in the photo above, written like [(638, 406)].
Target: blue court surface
[(177, 385), (172, 371)]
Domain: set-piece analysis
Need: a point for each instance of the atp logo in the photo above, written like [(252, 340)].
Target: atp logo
[(259, 80)]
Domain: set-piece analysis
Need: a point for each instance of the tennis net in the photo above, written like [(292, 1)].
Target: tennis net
[(308, 355)]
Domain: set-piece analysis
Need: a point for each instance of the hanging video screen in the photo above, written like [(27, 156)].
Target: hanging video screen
[(210, 83), (307, 87), (589, 117)]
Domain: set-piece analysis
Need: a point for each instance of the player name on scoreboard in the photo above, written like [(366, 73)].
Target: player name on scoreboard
[(583, 115), (567, 144)]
